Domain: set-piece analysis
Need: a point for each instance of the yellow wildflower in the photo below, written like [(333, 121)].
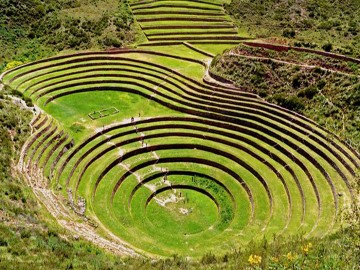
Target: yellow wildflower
[(274, 259), (13, 64), (254, 259), (306, 248), (290, 256)]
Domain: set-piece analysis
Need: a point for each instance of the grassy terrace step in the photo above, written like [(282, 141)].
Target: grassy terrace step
[(173, 6), (182, 26), (190, 2), (35, 120), (186, 18), (195, 38), (46, 142), (253, 168), (196, 11), (226, 43), (170, 33), (189, 24), (42, 146), (50, 149), (193, 48), (140, 14), (31, 148)]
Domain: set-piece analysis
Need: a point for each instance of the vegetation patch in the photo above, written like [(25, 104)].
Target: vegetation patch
[(35, 29), (321, 88), (329, 25)]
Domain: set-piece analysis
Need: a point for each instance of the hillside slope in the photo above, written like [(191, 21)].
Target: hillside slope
[(322, 88), (33, 29), (333, 25)]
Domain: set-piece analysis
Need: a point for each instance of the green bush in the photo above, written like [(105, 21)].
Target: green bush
[(262, 93), (327, 47), (77, 127), (112, 42), (292, 103), (354, 98), (123, 19), (289, 33), (308, 92), (296, 81), (327, 25), (321, 84), (3, 243), (28, 102), (208, 258)]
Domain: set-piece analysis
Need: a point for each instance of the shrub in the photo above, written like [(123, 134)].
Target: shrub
[(327, 25), (292, 103), (262, 93), (308, 92), (289, 33), (308, 23), (3, 243), (77, 127), (309, 45), (112, 42), (321, 84), (327, 47), (28, 102), (25, 234), (354, 98), (296, 81), (258, 71), (208, 258), (123, 19), (13, 64), (16, 93)]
